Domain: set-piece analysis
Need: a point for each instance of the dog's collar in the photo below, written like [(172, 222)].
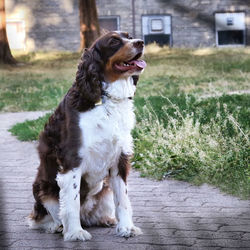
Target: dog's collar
[(106, 96), (115, 98)]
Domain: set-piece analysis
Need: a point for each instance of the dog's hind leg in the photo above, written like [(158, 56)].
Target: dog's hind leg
[(38, 216), (105, 211), (99, 210), (45, 216), (46, 208), (54, 226)]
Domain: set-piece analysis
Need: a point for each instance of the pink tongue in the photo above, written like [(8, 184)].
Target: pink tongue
[(139, 63)]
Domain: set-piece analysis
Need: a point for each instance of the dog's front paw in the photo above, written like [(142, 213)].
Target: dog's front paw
[(128, 231), (79, 234)]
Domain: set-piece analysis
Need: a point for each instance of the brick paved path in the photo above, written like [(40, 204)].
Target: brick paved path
[(172, 214)]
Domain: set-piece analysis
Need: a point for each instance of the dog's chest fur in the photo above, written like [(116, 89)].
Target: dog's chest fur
[(106, 132)]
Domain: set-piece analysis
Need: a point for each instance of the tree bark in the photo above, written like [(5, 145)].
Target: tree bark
[(89, 25), (5, 53)]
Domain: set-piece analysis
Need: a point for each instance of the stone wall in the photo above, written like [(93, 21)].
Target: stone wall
[(54, 24), (192, 20), (49, 24)]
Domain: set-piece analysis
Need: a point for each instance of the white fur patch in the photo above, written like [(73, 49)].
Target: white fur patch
[(38, 225), (47, 224), (52, 207), (106, 133), (121, 89)]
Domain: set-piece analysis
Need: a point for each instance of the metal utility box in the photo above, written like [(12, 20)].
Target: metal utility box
[(157, 28), (230, 29)]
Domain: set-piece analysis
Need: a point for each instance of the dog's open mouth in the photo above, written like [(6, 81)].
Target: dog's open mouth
[(135, 64)]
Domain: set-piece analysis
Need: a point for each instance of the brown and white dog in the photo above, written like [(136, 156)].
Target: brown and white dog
[(86, 145)]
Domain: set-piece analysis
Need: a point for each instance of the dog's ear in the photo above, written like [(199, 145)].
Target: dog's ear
[(86, 89), (135, 79)]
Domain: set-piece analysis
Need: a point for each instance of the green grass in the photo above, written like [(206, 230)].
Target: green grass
[(38, 84), (196, 141), (43, 79), (30, 129), (189, 125)]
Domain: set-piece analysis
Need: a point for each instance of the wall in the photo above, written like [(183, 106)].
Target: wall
[(54, 24), (49, 24), (192, 20)]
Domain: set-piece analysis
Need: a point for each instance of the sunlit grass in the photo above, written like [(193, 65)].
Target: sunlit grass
[(39, 83), (170, 71)]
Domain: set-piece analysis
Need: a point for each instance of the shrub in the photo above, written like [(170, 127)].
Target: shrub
[(184, 145)]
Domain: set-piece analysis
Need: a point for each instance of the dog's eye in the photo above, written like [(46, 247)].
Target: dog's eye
[(115, 41)]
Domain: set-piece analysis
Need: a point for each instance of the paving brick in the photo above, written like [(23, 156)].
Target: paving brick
[(223, 243), (173, 215)]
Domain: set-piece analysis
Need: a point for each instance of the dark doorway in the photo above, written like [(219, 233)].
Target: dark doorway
[(231, 37), (160, 39)]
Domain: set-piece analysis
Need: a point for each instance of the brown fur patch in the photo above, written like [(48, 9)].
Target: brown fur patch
[(105, 189), (107, 222), (124, 166), (38, 212), (84, 189), (123, 54)]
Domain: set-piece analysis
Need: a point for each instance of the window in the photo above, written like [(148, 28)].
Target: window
[(156, 25), (230, 29), (157, 29), (109, 23), (16, 33)]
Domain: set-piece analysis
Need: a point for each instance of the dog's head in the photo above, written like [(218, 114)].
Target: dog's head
[(111, 57), (121, 55)]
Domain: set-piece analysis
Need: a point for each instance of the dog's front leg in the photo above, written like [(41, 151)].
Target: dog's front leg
[(123, 211), (69, 198)]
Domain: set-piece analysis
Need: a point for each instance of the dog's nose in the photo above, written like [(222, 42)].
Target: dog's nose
[(138, 44)]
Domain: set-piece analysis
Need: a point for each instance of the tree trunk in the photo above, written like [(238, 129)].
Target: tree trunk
[(5, 53), (89, 26)]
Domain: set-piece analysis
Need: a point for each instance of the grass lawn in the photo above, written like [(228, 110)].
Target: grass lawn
[(192, 108)]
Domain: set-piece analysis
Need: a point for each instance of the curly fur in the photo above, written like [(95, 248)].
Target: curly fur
[(86, 90)]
